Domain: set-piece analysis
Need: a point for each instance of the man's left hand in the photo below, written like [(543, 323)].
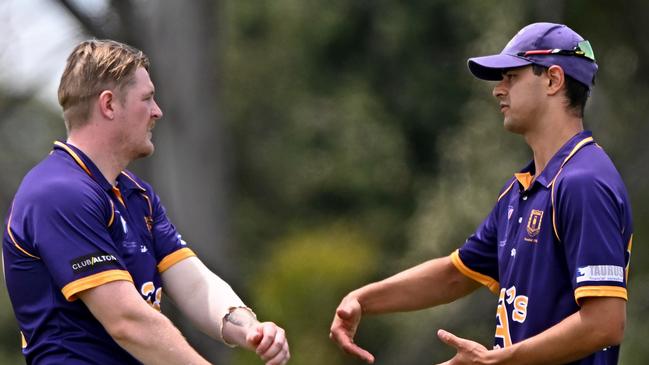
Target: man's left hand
[(269, 342)]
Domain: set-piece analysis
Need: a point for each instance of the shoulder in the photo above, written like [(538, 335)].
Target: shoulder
[(506, 188), (589, 169), (53, 183), (590, 177)]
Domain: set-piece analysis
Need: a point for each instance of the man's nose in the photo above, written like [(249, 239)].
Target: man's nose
[(499, 90), (156, 113)]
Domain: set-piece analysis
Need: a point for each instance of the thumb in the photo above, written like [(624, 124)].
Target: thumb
[(255, 337), (344, 313), (449, 338)]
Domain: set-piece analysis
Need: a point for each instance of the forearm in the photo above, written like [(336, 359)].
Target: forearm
[(142, 331), (154, 340), (597, 325), (429, 284), (214, 308), (201, 295)]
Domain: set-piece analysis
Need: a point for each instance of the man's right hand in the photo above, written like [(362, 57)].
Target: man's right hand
[(343, 328)]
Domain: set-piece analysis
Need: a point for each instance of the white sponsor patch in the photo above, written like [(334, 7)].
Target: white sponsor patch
[(601, 273)]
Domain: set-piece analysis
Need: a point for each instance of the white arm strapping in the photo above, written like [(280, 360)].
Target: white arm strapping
[(200, 295)]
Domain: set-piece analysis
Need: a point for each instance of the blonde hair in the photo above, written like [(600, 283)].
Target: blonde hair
[(92, 67)]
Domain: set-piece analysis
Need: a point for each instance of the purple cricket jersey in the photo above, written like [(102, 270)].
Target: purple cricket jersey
[(70, 230), (548, 243)]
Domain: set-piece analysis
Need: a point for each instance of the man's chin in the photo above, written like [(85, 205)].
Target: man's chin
[(512, 127), (144, 152)]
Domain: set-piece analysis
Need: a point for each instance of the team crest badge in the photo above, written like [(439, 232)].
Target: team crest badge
[(534, 223)]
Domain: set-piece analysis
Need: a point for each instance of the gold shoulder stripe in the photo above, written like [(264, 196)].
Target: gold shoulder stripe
[(71, 290), (577, 147), (23, 341), (554, 220), (13, 239), (485, 280), (600, 291), (174, 258), (506, 190), (74, 156)]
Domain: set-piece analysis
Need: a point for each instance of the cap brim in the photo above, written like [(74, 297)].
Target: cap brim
[(491, 67)]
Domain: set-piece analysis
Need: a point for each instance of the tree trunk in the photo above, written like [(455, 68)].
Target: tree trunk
[(191, 163)]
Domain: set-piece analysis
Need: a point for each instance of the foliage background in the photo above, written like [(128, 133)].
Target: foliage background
[(357, 145)]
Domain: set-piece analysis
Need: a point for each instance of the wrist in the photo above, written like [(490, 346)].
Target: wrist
[(236, 324), (501, 356)]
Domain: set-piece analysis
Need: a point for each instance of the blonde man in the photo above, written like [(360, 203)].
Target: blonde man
[(88, 246)]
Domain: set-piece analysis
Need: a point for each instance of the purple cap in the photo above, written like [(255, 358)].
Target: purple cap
[(538, 37)]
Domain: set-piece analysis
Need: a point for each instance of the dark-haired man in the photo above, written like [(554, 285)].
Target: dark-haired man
[(556, 246)]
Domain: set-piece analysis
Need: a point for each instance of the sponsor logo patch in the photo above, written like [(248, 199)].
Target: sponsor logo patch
[(92, 261), (601, 273)]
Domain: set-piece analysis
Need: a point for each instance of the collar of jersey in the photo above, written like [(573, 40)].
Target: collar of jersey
[(128, 181), (124, 179), (557, 161)]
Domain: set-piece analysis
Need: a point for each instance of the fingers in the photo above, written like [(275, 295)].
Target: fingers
[(468, 352), (357, 351), (449, 338), (255, 338), (272, 344), (344, 313), (343, 329)]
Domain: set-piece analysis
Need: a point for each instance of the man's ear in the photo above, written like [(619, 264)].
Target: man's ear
[(107, 102), (556, 79)]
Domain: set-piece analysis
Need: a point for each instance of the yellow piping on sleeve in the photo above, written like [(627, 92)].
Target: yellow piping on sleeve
[(600, 291), (69, 291), (485, 280), (174, 257)]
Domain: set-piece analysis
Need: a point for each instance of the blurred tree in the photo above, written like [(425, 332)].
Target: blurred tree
[(301, 284), (360, 112)]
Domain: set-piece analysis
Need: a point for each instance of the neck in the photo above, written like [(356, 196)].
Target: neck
[(100, 152), (551, 134)]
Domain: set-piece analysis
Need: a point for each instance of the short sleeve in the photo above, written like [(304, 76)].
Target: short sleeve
[(170, 247), (478, 257), (69, 227), (589, 220)]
